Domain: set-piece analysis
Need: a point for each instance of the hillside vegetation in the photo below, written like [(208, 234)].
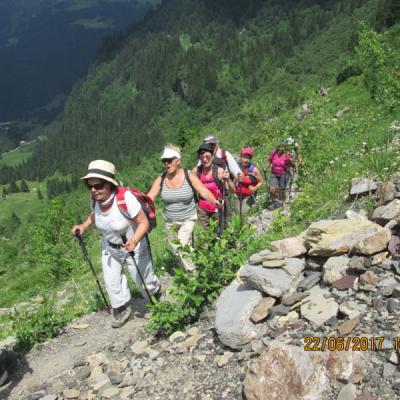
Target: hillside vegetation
[(195, 67)]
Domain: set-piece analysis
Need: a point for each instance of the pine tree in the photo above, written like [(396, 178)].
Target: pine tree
[(5, 192), (24, 186), (39, 194), (13, 188), (15, 221)]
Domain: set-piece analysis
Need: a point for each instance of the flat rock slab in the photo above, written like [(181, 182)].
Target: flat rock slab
[(290, 247), (320, 308), (362, 186), (383, 214), (271, 281), (274, 263), (345, 283), (290, 299), (234, 308), (335, 237), (288, 372), (262, 310), (348, 326), (309, 281), (335, 268)]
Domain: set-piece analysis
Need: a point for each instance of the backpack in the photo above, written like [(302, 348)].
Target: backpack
[(164, 174), (214, 169), (221, 161), (250, 173)]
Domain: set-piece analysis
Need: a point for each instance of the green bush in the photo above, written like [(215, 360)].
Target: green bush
[(217, 261)]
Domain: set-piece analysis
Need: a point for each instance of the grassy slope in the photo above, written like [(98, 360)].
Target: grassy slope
[(17, 156)]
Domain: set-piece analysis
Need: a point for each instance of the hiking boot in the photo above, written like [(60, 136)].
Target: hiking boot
[(120, 316), (158, 295)]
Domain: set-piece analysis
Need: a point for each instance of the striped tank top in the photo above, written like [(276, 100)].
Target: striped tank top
[(179, 203)]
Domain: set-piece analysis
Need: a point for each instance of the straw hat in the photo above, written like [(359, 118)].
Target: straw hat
[(103, 170)]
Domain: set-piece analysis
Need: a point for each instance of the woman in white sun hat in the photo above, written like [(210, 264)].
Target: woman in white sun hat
[(178, 188), (106, 215)]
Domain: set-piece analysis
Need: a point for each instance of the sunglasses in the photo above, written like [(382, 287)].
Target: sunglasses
[(168, 160), (96, 186)]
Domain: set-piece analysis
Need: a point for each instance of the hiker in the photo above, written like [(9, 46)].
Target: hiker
[(322, 91), (248, 182), (109, 219), (178, 188), (281, 162), (222, 157), (212, 177), (8, 361), (295, 150)]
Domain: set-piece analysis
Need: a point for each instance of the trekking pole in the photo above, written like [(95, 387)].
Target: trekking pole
[(86, 255), (240, 201), (132, 254)]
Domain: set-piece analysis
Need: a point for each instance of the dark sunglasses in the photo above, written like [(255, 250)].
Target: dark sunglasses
[(96, 186), (168, 160)]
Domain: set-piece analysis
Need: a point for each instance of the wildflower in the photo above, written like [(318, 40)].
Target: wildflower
[(331, 162)]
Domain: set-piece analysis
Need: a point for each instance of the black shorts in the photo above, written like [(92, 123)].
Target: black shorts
[(279, 181)]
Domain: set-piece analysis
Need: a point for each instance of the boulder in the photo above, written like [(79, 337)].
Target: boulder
[(386, 193), (335, 237), (352, 215), (290, 247), (342, 112), (232, 321), (271, 281), (294, 266), (288, 372), (361, 186), (384, 214), (320, 307), (335, 268)]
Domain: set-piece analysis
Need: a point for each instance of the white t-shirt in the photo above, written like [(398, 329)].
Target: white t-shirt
[(113, 224)]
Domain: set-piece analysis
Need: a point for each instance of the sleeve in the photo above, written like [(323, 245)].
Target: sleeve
[(234, 168), (132, 204)]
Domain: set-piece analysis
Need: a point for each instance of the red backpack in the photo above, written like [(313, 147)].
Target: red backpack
[(145, 201)]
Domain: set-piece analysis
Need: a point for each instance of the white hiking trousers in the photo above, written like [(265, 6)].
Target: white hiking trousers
[(113, 261)]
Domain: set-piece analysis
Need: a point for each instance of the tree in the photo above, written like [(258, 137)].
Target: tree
[(39, 194), (15, 221), (5, 192), (24, 186), (13, 188)]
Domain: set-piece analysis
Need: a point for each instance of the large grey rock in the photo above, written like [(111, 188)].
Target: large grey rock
[(290, 247), (383, 214), (234, 308), (362, 186), (271, 281), (294, 266), (320, 307), (288, 372), (335, 268), (335, 237)]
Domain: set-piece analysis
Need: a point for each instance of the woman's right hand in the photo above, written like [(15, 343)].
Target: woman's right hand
[(78, 229)]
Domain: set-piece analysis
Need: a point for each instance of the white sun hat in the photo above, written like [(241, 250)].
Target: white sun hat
[(103, 170), (170, 153)]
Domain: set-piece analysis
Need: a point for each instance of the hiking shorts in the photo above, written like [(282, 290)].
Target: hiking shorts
[(279, 181)]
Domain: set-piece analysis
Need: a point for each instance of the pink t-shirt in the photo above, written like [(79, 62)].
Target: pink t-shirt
[(212, 186), (280, 164)]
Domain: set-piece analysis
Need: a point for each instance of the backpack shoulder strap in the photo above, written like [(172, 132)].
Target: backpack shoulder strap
[(187, 177), (199, 170), (218, 181), (251, 168), (163, 175), (121, 203)]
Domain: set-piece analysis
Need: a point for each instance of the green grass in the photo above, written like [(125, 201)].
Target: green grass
[(17, 156)]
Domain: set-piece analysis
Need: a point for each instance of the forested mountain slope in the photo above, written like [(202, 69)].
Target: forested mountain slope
[(191, 61)]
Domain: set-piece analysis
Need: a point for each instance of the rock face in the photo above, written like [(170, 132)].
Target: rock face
[(383, 214), (362, 186), (234, 308), (290, 247), (335, 237), (288, 372), (271, 281)]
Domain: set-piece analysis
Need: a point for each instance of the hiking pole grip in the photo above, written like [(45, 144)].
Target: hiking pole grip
[(132, 254)]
